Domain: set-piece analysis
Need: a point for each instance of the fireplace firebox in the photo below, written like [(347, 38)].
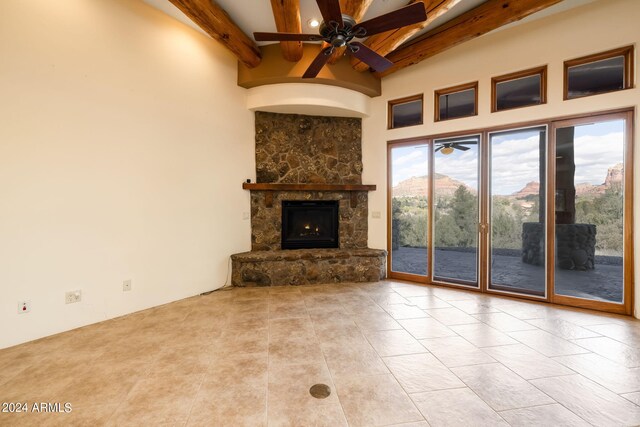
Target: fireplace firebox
[(310, 224)]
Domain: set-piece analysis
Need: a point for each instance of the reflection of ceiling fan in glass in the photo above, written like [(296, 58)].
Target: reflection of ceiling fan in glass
[(448, 147), (338, 30)]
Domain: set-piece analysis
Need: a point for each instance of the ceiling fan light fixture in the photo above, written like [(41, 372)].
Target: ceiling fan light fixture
[(447, 150)]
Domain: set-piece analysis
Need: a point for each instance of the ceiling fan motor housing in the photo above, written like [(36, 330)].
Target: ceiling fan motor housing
[(338, 35)]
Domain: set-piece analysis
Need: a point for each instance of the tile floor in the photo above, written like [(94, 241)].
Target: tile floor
[(392, 353)]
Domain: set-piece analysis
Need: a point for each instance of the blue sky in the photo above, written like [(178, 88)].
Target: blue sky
[(515, 159)]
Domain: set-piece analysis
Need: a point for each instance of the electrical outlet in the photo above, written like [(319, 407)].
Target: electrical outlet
[(24, 306), (73, 297), (126, 285), (246, 215)]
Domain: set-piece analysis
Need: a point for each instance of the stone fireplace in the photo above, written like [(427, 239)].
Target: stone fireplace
[(309, 213)]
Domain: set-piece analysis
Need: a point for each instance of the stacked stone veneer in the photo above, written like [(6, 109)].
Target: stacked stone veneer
[(296, 149), (575, 245)]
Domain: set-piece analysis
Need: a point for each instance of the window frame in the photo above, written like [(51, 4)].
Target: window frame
[(407, 99), (541, 71), (455, 89), (626, 52)]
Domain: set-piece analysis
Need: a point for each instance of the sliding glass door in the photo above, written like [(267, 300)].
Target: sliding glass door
[(409, 208), (590, 198), (455, 210), (517, 230), (543, 211)]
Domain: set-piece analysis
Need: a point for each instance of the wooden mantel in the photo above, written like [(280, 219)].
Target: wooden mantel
[(269, 188)]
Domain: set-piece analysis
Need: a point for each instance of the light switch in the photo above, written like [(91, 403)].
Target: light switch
[(375, 214), (246, 215)]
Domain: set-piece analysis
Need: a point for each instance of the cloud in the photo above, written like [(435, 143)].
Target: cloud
[(515, 160)]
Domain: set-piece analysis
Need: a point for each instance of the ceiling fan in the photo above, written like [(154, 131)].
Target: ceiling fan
[(448, 147), (339, 30)]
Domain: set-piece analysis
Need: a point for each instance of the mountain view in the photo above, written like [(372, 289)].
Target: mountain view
[(456, 214)]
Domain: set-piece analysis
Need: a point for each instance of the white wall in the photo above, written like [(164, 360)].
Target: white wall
[(588, 29), (123, 143)]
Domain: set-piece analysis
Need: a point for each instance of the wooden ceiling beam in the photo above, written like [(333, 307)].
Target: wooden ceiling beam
[(474, 23), (209, 16), (287, 16), (387, 42), (355, 9)]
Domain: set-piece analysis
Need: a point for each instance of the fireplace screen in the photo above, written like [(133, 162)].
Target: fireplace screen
[(309, 224)]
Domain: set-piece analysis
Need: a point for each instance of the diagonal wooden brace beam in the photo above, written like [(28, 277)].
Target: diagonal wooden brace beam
[(209, 16), (478, 21), (387, 42)]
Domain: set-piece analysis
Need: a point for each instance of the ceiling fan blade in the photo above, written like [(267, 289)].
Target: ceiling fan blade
[(407, 15), (266, 37), (371, 58), (318, 63), (330, 10), (460, 147)]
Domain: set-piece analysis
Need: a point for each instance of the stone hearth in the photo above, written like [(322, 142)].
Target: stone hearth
[(307, 266), (301, 151)]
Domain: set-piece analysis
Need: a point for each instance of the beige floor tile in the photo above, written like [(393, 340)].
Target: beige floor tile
[(451, 316), (181, 360), (157, 401), (444, 408), (415, 424), (408, 291), (290, 402), (563, 329), (236, 405), (376, 322), (456, 351), (546, 343), (404, 311), (608, 374), (475, 307), (632, 397), (482, 335), (294, 350), (428, 302), (526, 362), (206, 360), (241, 341), (628, 333), (421, 372), (389, 298), (545, 415), (332, 329), (501, 388), (587, 318), (426, 328), (293, 327), (525, 310), (104, 384), (394, 342), (318, 415), (504, 322), (375, 401), (589, 400), (286, 310), (448, 294), (248, 370), (612, 350), (353, 358)]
